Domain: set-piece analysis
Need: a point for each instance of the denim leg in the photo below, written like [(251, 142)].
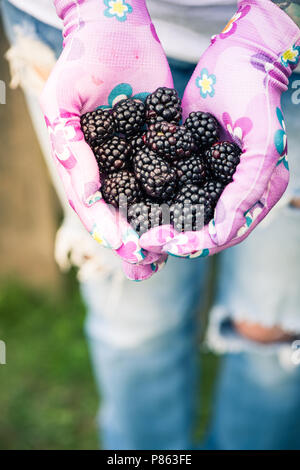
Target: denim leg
[(257, 404), (144, 353), (181, 72), (259, 279), (257, 397)]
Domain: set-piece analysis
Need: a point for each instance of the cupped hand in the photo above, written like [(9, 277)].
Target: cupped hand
[(111, 51), (240, 79)]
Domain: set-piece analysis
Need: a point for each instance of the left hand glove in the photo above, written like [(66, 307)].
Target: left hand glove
[(240, 80)]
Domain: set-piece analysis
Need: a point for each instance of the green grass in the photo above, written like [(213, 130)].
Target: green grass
[(48, 398)]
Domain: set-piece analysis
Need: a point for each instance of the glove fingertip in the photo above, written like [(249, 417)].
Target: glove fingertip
[(137, 273)]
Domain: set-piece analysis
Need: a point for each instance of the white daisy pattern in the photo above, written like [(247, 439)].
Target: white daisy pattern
[(205, 82), (118, 9)]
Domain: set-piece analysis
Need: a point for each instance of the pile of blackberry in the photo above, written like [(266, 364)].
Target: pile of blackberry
[(154, 169)]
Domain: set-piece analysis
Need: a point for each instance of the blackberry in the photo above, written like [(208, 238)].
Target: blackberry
[(112, 155), (170, 141), (129, 116), (139, 217), (194, 205), (146, 215), (155, 175), (188, 208), (119, 188), (137, 143), (204, 127), (190, 170), (213, 190), (222, 159), (163, 105), (97, 126)]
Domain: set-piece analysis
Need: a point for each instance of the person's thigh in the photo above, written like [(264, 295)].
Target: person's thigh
[(259, 279), (257, 404), (128, 314), (143, 342)]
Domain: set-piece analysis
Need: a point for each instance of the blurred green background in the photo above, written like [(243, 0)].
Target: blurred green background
[(48, 398)]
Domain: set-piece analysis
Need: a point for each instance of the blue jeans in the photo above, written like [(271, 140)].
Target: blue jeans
[(143, 343)]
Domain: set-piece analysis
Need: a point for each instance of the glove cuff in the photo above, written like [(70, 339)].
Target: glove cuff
[(114, 12), (265, 21)]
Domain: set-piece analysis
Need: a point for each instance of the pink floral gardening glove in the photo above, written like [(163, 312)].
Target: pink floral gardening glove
[(240, 80), (111, 51)]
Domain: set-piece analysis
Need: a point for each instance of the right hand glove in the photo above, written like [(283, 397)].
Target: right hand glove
[(111, 51)]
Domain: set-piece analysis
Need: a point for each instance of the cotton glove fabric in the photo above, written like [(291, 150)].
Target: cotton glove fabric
[(240, 79), (111, 51)]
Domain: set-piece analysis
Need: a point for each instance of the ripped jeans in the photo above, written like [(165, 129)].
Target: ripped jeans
[(143, 340)]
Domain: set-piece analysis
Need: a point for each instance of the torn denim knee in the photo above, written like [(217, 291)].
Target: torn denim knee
[(30, 60), (223, 338)]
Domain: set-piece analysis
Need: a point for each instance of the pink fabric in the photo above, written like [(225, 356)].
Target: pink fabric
[(108, 45), (240, 79)]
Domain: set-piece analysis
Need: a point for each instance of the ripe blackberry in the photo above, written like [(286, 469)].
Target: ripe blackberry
[(188, 209), (97, 126), (139, 217), (138, 142), (163, 105), (113, 155), (170, 141), (146, 215), (213, 190), (129, 116), (204, 127), (119, 188), (190, 170), (155, 175), (192, 208), (222, 159)]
